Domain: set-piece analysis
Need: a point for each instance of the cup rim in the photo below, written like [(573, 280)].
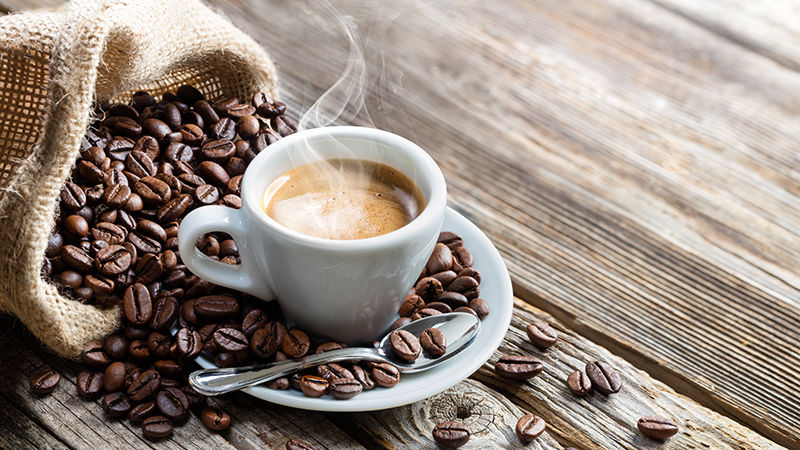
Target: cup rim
[(436, 203)]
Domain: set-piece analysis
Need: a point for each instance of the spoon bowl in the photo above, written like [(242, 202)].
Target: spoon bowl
[(459, 330)]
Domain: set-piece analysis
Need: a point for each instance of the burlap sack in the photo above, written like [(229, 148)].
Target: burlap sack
[(53, 65)]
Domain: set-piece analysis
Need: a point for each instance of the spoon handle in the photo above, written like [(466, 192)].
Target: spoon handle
[(221, 381)]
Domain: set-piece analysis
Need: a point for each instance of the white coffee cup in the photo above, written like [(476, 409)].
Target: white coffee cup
[(346, 290)]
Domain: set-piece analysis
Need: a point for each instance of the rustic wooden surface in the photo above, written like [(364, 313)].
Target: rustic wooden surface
[(635, 162)]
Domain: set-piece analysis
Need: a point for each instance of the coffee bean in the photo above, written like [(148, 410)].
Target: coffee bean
[(172, 181), (542, 334), (113, 260), (147, 145), (480, 306), (401, 322), (152, 190), (94, 356), (344, 388), (54, 244), (165, 311), (206, 194), (71, 279), (518, 367), (232, 201), (144, 244), (266, 340), (283, 125), (159, 345), (116, 195), (116, 347), (433, 342), (247, 126), (445, 278), (205, 111), (405, 345), (77, 258), (116, 405), (215, 419), (224, 128), (254, 320), (440, 260), (385, 375), (603, 377), (45, 382), (529, 427), (144, 386), (579, 383), (297, 444), (465, 285), (142, 411), (327, 346), (462, 257), (178, 151), (428, 288), (363, 377), (149, 268), (279, 384), (313, 386), (114, 377), (214, 173), (451, 434), (137, 305), (167, 368), (89, 383), (139, 350), (119, 148), (450, 239), (192, 134), (140, 164), (231, 339), (174, 208), (657, 427), (216, 307), (172, 402), (219, 150), (157, 427), (151, 229), (109, 232), (425, 312), (295, 343), (453, 299), (76, 226), (411, 304), (189, 343), (72, 196), (225, 359)]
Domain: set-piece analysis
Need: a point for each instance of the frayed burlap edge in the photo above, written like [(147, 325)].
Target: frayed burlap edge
[(88, 50)]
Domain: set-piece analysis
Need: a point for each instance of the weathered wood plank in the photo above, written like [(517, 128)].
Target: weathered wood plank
[(18, 431), (81, 424), (614, 154)]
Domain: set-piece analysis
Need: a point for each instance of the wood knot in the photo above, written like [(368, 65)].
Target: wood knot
[(477, 410)]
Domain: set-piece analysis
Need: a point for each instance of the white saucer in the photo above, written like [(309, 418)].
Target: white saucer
[(495, 289)]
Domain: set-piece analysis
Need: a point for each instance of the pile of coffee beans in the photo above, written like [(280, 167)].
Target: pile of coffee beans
[(448, 283)]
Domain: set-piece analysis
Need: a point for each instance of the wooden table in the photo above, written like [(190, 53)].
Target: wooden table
[(637, 165)]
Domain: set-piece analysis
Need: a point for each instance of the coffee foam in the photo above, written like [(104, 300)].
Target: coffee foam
[(343, 199)]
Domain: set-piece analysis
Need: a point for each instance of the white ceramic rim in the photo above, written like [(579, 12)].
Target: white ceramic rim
[(427, 166), (460, 366)]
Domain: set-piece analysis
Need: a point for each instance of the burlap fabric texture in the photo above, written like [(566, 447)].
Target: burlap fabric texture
[(53, 66)]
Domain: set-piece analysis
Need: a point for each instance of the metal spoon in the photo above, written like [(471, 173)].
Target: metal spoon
[(459, 330)]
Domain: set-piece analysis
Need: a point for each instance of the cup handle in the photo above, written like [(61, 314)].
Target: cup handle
[(241, 277)]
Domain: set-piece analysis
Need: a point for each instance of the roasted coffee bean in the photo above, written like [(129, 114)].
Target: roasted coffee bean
[(225, 359), (192, 134), (224, 128), (462, 257), (134, 204), (363, 377), (114, 377), (89, 383), (116, 195), (215, 419), (440, 260), (247, 126), (219, 150), (94, 356), (142, 100), (463, 285), (344, 388), (174, 208), (603, 377), (313, 386), (116, 347), (140, 164), (72, 196), (232, 201), (518, 367), (189, 94), (77, 258), (279, 384), (239, 110), (144, 244), (405, 345), (178, 151), (205, 111), (126, 220), (132, 372), (91, 172), (116, 405), (208, 245), (295, 343), (480, 306), (445, 278), (542, 334), (149, 268), (332, 370), (410, 305), (234, 186), (113, 260), (159, 345), (133, 332), (453, 299), (147, 145), (152, 190), (283, 125), (579, 383), (429, 288), (195, 398), (254, 320), (119, 148), (76, 226), (433, 342), (327, 346), (228, 248), (450, 239), (172, 402), (165, 311), (213, 173), (216, 307), (206, 194), (144, 386), (529, 427), (401, 322), (139, 350), (189, 343), (109, 215), (207, 337), (657, 427), (297, 444), (151, 229), (71, 279), (140, 412), (425, 312), (266, 341), (137, 304), (385, 375), (45, 382), (172, 181), (157, 427), (230, 339), (167, 368), (451, 434), (109, 232), (54, 244)]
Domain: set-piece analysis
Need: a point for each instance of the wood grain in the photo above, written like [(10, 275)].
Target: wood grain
[(637, 171)]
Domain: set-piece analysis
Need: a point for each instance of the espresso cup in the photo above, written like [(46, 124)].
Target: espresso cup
[(345, 290)]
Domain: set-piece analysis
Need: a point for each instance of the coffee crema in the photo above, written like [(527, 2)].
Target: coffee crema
[(343, 199)]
